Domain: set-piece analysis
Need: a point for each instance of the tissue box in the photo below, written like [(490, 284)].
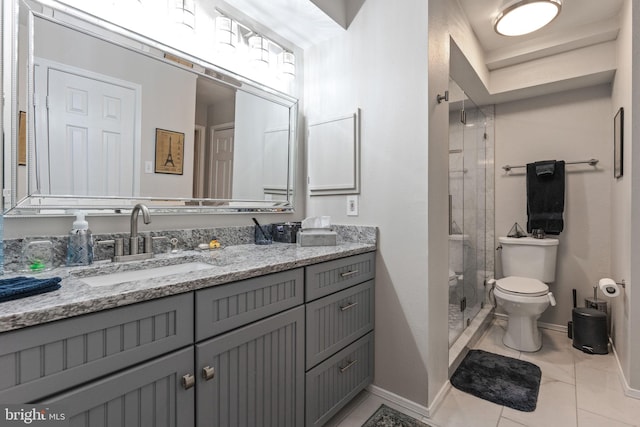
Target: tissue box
[(317, 238)]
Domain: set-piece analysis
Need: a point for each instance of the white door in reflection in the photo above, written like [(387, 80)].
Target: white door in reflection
[(220, 163), (92, 135)]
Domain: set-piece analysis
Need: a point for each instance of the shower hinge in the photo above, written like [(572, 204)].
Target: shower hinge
[(463, 303)]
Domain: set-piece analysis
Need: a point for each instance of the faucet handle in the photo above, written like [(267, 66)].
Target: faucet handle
[(148, 244)]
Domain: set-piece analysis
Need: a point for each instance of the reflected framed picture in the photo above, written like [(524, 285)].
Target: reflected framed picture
[(169, 152), (618, 143)]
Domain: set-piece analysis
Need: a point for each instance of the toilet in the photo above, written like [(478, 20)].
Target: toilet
[(528, 264)]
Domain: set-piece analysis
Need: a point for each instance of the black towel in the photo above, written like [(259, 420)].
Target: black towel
[(20, 287), (545, 196)]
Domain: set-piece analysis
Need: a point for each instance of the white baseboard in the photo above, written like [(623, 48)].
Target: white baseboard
[(401, 401), (628, 391)]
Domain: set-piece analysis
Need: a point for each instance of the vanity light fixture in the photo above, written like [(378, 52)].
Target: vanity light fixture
[(521, 17), (287, 64), (226, 33), (259, 51), (186, 13)]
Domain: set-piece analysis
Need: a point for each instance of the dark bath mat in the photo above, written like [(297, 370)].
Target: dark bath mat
[(499, 379), (388, 417)]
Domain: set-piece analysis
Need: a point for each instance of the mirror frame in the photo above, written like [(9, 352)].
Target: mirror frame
[(96, 27)]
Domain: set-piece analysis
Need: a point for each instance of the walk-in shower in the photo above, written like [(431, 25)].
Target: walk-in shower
[(471, 255)]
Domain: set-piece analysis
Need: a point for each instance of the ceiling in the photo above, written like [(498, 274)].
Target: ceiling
[(580, 23), (571, 50)]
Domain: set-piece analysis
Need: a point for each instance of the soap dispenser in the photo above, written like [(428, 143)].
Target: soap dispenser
[(80, 245)]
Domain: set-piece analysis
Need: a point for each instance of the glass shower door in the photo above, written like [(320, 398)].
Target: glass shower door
[(467, 210)]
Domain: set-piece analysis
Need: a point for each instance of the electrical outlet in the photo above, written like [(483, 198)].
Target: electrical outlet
[(352, 205), (148, 166)]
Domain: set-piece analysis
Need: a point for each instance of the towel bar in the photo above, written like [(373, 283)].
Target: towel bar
[(591, 162)]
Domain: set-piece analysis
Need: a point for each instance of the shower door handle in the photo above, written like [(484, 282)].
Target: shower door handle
[(450, 215)]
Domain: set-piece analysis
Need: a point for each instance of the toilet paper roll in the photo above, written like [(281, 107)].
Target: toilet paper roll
[(609, 287)]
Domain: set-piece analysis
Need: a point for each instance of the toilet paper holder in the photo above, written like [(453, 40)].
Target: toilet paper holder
[(608, 287)]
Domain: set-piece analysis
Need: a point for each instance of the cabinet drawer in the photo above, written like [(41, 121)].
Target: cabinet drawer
[(222, 308), (42, 360), (337, 320), (333, 383), (151, 394), (332, 276)]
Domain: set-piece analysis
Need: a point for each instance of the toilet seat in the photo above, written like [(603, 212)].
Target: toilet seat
[(522, 286)]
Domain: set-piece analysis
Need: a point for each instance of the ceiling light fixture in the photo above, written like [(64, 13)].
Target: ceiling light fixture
[(526, 16)]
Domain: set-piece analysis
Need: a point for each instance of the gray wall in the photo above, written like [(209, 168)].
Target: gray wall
[(384, 71), (570, 126)]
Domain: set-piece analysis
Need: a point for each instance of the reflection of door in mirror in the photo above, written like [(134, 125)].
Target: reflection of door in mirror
[(92, 126), (220, 162)]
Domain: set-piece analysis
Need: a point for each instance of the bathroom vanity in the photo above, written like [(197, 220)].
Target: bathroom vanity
[(277, 335)]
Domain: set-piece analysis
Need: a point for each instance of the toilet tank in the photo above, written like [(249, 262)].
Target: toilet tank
[(458, 246), (529, 257)]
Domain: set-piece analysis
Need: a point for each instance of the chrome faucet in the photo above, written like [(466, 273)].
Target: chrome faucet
[(133, 237)]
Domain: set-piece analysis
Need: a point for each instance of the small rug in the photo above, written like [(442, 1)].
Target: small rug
[(388, 417), (499, 379)]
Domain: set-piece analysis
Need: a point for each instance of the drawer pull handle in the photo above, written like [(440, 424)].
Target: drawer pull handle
[(348, 306), (349, 364), (208, 373), (349, 273), (188, 381)]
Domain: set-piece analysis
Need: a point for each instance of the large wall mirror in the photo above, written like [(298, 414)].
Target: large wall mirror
[(104, 118)]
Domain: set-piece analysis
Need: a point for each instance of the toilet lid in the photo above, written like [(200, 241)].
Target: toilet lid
[(522, 286)]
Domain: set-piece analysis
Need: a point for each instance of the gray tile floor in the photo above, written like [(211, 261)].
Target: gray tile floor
[(577, 389)]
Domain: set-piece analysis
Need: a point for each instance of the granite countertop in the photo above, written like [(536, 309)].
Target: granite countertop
[(230, 264)]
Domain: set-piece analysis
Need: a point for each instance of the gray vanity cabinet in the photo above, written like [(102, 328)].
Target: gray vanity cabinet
[(286, 349), (253, 376), (339, 334), (43, 360), (150, 394)]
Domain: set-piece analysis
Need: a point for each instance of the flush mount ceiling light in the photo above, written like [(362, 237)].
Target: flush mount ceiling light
[(526, 16)]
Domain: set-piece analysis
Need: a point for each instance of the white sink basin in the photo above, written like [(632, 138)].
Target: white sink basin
[(144, 274)]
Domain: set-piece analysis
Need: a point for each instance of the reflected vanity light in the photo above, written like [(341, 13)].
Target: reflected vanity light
[(259, 51), (186, 13), (526, 16), (226, 33)]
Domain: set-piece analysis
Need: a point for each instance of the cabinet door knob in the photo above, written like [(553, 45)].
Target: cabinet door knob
[(208, 373), (188, 381)]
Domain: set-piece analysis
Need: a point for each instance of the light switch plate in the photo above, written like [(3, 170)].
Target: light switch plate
[(148, 166), (352, 205)]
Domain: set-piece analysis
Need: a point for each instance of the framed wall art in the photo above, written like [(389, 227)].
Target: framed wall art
[(618, 143), (169, 152)]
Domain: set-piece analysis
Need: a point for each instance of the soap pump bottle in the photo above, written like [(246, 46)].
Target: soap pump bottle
[(80, 245)]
